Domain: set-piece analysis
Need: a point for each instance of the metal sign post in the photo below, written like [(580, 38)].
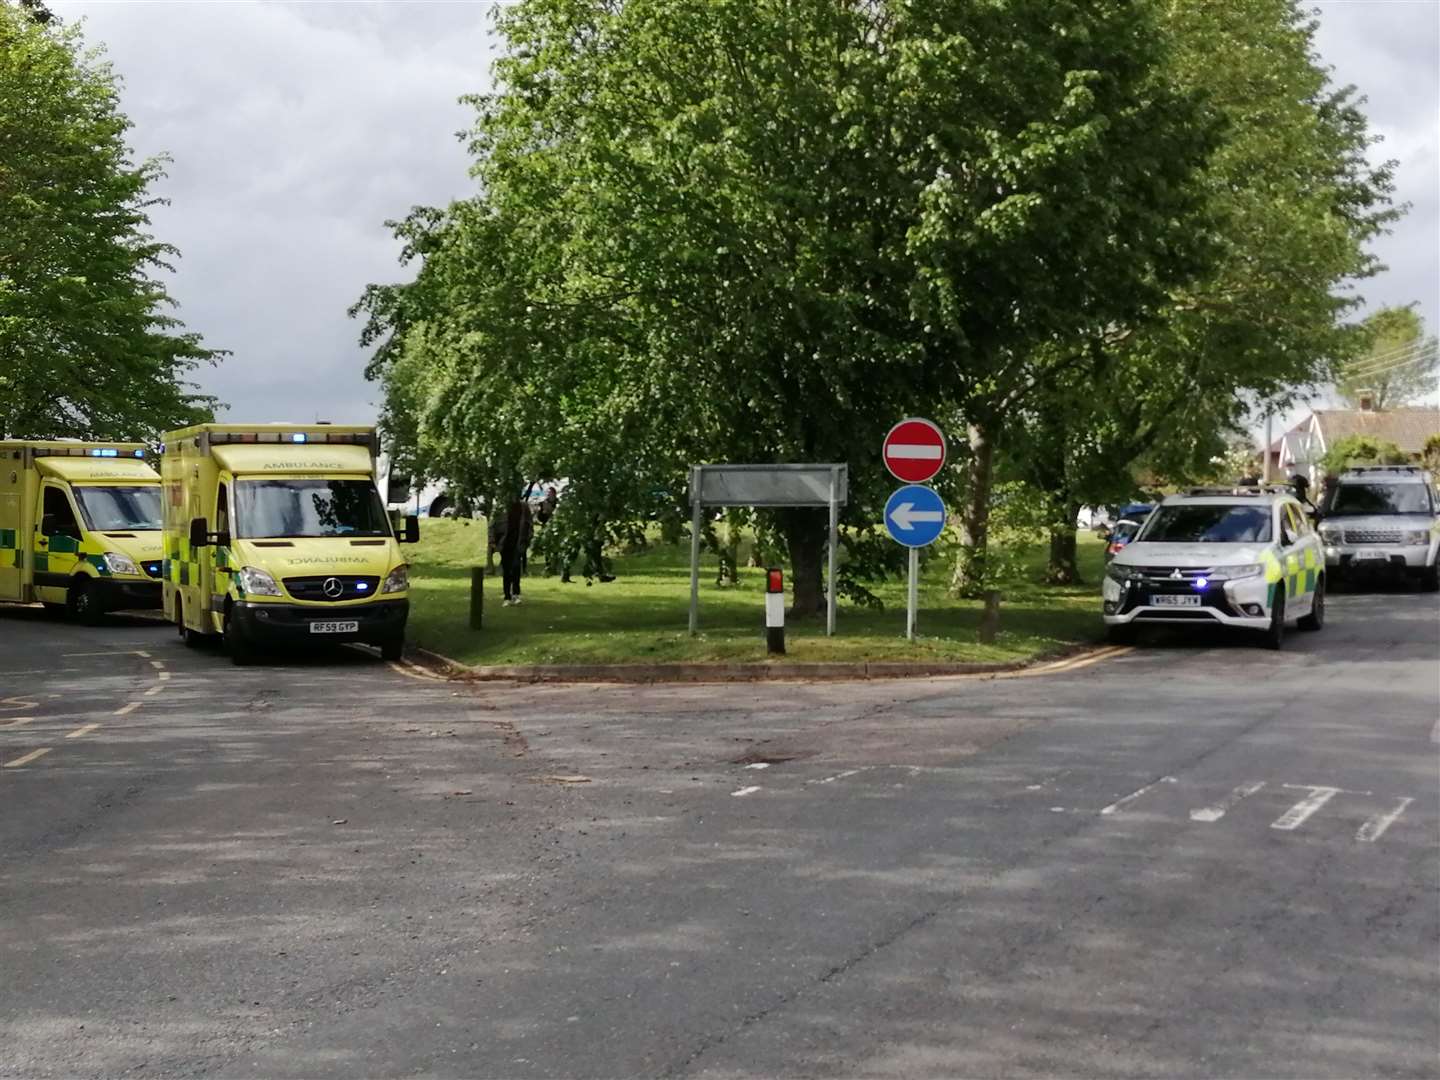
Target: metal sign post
[(914, 451), (766, 486)]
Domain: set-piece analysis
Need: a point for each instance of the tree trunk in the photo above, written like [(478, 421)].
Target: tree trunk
[(1064, 568), (806, 533), (969, 574)]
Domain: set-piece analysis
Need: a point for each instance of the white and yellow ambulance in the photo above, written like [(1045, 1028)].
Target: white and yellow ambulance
[(79, 526), (275, 534)]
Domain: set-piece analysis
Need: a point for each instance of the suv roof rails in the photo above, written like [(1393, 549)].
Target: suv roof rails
[(1241, 489), (1382, 469)]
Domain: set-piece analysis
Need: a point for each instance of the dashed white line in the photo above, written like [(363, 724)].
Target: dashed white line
[(837, 776), (1128, 799), (1215, 811), (82, 731), (125, 710), (1298, 814), (154, 690), (157, 664), (758, 765), (16, 722), (1375, 827), (27, 759), (744, 791), (164, 675)]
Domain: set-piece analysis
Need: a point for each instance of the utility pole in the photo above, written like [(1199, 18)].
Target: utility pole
[(1265, 467)]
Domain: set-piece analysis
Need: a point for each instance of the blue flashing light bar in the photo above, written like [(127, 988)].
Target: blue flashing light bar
[(298, 436), (361, 586), (108, 451)]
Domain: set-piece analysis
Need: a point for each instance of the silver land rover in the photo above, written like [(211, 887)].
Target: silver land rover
[(1382, 519)]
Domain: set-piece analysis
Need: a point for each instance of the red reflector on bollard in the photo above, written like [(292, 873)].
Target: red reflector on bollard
[(775, 580)]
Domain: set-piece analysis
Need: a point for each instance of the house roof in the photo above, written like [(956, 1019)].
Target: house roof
[(1407, 428)]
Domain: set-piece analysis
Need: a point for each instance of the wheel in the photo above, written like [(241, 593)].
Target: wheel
[(242, 653), (393, 649), (1274, 637), (1430, 579), (1316, 619), (192, 638), (83, 602), (1120, 635)]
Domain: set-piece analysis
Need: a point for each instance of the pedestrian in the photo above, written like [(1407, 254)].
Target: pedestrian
[(511, 534)]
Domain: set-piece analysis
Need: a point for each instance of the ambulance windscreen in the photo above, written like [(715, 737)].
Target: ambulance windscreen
[(1208, 523), (120, 509), (266, 509)]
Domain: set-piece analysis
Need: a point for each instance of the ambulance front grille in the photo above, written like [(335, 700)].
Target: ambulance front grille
[(344, 587)]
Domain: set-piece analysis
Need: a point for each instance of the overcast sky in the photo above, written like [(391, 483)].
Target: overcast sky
[(297, 129)]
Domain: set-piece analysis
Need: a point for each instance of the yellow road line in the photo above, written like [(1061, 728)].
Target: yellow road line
[(82, 731), (125, 710), (16, 722), (19, 761), (413, 672)]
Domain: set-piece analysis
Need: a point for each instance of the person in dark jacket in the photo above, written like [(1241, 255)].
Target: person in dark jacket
[(511, 534)]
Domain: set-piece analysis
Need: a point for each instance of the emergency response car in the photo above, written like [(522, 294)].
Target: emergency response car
[(79, 526), (1382, 519), (1246, 558), (275, 534)]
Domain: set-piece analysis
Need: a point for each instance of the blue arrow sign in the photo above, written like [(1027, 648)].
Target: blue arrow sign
[(914, 515)]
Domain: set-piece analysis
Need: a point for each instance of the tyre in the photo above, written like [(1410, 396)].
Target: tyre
[(1316, 619), (393, 649), (1430, 579), (1274, 637), (1121, 635), (83, 602), (242, 653), (192, 638)]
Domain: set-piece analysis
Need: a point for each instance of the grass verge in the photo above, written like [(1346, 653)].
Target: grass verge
[(641, 616)]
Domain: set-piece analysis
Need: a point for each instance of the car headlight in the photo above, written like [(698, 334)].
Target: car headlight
[(1418, 536), (1329, 536), (398, 580), (120, 564), (1116, 572), (257, 582), (1235, 573)]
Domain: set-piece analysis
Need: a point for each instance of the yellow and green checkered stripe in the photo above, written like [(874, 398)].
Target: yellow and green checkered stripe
[(10, 553)]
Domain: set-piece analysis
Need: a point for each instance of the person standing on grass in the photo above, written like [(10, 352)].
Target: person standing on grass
[(511, 534)]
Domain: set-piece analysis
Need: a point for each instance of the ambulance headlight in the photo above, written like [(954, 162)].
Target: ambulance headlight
[(120, 564), (1237, 573), (398, 581), (1417, 536), (257, 582)]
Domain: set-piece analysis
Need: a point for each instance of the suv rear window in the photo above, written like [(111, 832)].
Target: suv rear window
[(1208, 523), (1354, 499)]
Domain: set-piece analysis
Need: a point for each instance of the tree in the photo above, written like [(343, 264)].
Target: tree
[(752, 230), (88, 346), (1291, 203), (1355, 450), (1397, 364)]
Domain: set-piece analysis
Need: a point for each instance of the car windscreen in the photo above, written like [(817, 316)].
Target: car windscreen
[(120, 509), (299, 508), (1213, 523), (1348, 500)]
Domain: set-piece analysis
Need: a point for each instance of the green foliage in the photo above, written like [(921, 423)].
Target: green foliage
[(87, 344), (1430, 456), (1362, 450), (1397, 364)]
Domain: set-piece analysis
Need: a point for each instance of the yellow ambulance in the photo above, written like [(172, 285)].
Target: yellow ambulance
[(275, 534), (79, 526)]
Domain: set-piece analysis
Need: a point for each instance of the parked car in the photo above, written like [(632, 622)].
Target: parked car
[(1382, 520), (1120, 535)]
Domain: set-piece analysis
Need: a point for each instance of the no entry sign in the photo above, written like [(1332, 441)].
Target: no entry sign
[(914, 450)]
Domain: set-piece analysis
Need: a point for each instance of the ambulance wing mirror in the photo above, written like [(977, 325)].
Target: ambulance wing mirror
[(199, 533)]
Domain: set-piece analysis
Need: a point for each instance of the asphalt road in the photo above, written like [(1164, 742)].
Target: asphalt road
[(1193, 859)]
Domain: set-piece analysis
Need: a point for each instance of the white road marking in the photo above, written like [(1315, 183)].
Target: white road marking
[(82, 731), (837, 776), (758, 765), (16, 703), (1375, 827), (1298, 814), (1128, 799), (125, 710), (16, 722), (1215, 811), (744, 791), (154, 690), (142, 652), (164, 675), (157, 664), (19, 761)]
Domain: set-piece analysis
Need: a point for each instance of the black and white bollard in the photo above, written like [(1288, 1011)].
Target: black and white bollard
[(775, 610)]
